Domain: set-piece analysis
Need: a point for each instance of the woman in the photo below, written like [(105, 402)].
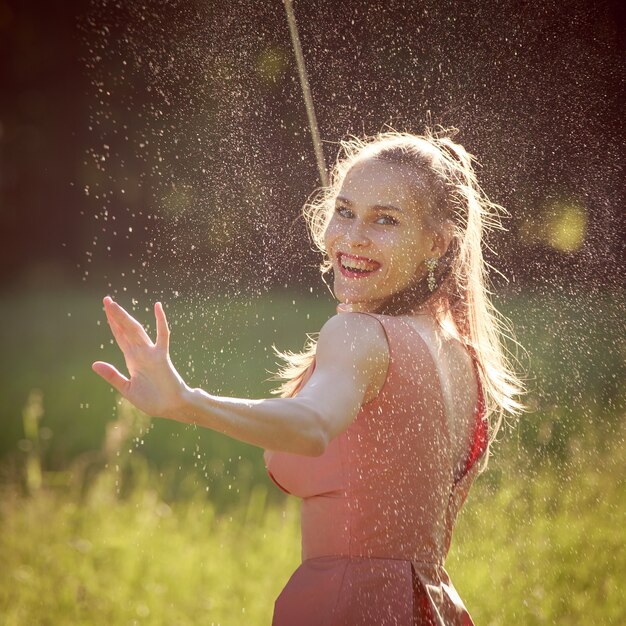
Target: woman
[(383, 424)]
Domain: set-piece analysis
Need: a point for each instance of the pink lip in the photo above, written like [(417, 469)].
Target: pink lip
[(350, 274)]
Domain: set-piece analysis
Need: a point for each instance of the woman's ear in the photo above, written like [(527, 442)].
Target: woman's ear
[(442, 238)]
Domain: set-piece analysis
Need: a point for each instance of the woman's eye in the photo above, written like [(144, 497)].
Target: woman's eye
[(388, 220), (343, 211), (384, 220)]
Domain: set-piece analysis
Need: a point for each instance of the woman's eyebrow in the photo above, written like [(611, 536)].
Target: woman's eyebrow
[(376, 207), (344, 200), (387, 207)]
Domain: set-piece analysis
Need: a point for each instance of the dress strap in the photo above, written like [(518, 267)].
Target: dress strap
[(480, 437)]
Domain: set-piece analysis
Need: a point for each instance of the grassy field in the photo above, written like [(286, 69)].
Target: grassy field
[(106, 518), (531, 547)]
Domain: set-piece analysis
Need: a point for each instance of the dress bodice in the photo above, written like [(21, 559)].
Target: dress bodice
[(389, 476)]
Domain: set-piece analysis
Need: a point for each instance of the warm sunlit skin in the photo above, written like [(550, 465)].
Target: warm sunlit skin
[(352, 354), (154, 385), (379, 216)]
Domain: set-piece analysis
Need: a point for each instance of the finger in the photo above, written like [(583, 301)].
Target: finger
[(133, 329), (112, 376), (163, 330), (118, 334)]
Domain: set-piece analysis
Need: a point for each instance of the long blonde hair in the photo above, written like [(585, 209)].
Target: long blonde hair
[(462, 292)]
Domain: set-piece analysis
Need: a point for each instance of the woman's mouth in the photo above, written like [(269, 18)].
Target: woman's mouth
[(352, 266)]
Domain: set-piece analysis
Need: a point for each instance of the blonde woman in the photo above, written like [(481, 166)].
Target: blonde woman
[(386, 420)]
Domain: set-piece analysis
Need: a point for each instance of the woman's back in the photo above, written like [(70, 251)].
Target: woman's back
[(457, 377), (379, 505)]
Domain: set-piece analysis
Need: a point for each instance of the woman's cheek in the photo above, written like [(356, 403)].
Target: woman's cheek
[(330, 234)]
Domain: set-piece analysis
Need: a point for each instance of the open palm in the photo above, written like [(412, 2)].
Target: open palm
[(154, 386)]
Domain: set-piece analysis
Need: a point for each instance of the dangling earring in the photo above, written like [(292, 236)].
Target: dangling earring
[(431, 266)]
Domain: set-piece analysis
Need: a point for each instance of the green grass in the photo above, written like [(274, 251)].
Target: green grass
[(531, 547), (139, 560), (544, 545)]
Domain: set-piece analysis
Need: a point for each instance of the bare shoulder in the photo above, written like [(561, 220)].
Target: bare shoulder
[(351, 361), (354, 340)]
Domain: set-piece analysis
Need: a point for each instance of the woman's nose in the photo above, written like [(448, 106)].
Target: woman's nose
[(358, 234)]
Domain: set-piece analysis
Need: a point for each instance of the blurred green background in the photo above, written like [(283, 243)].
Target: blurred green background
[(108, 518), (160, 151)]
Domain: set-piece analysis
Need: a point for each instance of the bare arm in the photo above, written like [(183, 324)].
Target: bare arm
[(351, 350)]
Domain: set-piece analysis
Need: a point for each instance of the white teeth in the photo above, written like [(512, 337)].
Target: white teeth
[(356, 264)]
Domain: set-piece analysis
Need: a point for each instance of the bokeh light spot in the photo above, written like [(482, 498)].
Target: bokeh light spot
[(565, 226), (561, 224), (271, 64)]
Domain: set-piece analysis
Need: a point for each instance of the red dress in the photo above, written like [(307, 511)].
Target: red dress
[(379, 506)]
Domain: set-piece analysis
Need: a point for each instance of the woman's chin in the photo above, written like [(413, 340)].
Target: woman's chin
[(355, 307), (349, 307)]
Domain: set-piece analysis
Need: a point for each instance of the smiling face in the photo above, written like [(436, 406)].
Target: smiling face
[(377, 238)]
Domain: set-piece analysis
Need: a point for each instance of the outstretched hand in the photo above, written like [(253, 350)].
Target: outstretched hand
[(154, 386)]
